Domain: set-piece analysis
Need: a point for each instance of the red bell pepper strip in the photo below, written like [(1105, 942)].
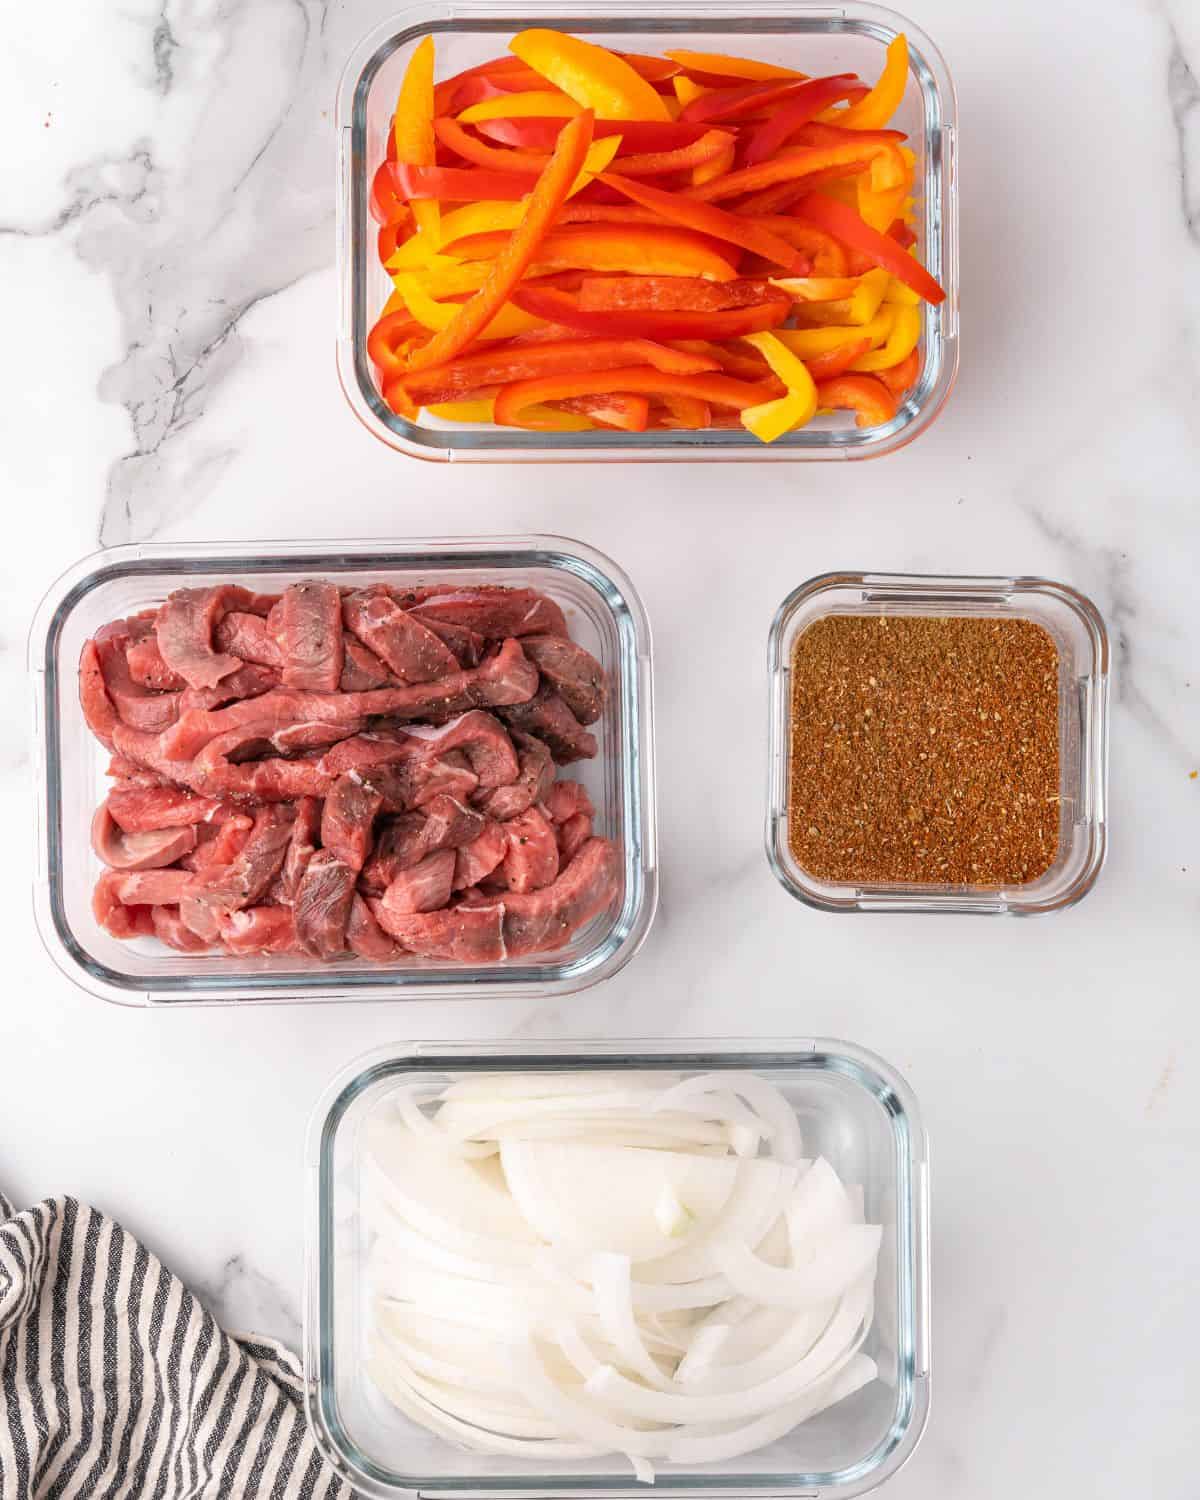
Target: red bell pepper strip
[(389, 332), (863, 394), (389, 238), (459, 184), (805, 104), (746, 99), (688, 413), (540, 134), (472, 149), (684, 209), (548, 196), (454, 93), (560, 307), (741, 360), (836, 361), (841, 220), (817, 134), (511, 400), (625, 413), (670, 294), (827, 256), (900, 377), (385, 203), (712, 143), (904, 235), (664, 250), (652, 69), (722, 66), (802, 163)]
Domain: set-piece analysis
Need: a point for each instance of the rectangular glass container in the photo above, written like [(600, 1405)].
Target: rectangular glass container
[(1078, 631), (853, 1109), (605, 615), (815, 39)]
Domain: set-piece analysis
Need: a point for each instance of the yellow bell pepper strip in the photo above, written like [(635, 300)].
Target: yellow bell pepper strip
[(541, 209), (720, 390), (726, 66), (863, 394), (706, 218), (773, 418), (463, 411), (507, 322), (879, 210), (548, 418), (412, 128), (631, 248), (442, 276), (903, 338), (687, 92), (883, 159), (884, 99), (811, 343), (840, 220), (857, 309), (817, 288), (898, 292), (536, 104), (593, 76)]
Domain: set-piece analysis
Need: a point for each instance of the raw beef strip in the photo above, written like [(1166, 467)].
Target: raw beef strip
[(364, 936), (307, 623), (349, 818), (574, 673), (449, 824), (445, 823), (147, 666), (363, 752), (185, 634), (468, 647), (490, 610), (249, 638), (397, 847), (128, 774), (153, 887), (153, 850), (170, 928), (533, 782), (302, 847), (267, 781), (200, 920), (405, 646), (311, 734), (476, 860), (362, 669), (572, 835), (219, 843), (415, 781), (532, 858), (117, 919), (136, 705), (565, 799), (261, 929), (322, 906), (147, 809), (97, 707), (541, 921), (470, 934), (481, 737), (426, 887), (250, 681), (241, 884), (547, 716)]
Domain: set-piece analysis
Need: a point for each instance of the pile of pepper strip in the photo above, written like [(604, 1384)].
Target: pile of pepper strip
[(582, 239)]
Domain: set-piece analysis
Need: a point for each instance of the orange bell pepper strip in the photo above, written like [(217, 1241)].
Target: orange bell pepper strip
[(745, 363), (472, 149), (669, 294), (562, 308), (724, 65), (548, 196), (711, 145), (836, 361), (652, 69), (719, 390), (827, 256), (817, 288), (637, 136), (716, 167), (633, 248), (884, 160), (704, 218), (884, 99), (412, 125), (841, 220), (678, 411), (686, 92), (594, 77), (900, 377), (863, 394), (537, 104)]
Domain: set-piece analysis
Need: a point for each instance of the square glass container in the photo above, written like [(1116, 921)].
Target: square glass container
[(1078, 631), (853, 1109), (604, 614), (815, 39)]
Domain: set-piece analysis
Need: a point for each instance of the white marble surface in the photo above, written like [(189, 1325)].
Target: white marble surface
[(168, 302)]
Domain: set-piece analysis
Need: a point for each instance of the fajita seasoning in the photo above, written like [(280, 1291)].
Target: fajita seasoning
[(924, 750)]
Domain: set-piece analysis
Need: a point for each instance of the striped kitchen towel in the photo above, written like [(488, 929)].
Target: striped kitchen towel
[(115, 1384)]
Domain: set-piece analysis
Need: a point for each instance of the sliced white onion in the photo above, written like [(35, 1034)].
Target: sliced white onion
[(840, 1260)]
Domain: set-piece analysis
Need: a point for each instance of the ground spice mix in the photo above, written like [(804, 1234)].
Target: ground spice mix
[(924, 750)]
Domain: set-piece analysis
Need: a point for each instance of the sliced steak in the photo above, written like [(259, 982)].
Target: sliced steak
[(572, 835), (185, 628), (136, 705), (348, 820), (147, 809), (250, 681), (547, 716), (534, 780), (153, 887), (468, 934), (478, 859), (303, 845), (240, 884), (363, 752), (200, 920), (542, 921), (249, 638), (261, 929), (445, 823), (147, 666), (114, 916), (397, 847), (468, 647), (152, 850), (170, 928), (489, 610), (307, 623), (218, 844), (98, 711), (565, 799), (532, 858), (322, 906), (364, 936), (311, 734), (409, 649), (362, 670), (424, 888), (574, 673), (482, 739)]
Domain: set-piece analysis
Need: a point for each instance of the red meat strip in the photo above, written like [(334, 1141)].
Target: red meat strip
[(534, 780), (446, 823), (349, 819), (153, 887), (322, 906), (469, 934), (219, 843), (98, 711), (311, 734), (250, 681), (565, 799), (490, 610), (532, 858), (397, 847), (200, 920), (249, 638), (261, 929), (147, 666), (415, 781), (307, 623), (364, 936), (128, 774), (547, 716), (481, 737), (542, 921), (406, 647), (148, 809), (424, 888), (362, 670), (185, 628), (302, 847), (116, 918), (468, 647), (136, 705), (241, 883), (478, 859), (152, 850), (170, 928), (363, 752), (574, 673), (267, 781), (572, 835)]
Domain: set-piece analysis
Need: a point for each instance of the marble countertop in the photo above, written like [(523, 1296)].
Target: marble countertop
[(168, 299)]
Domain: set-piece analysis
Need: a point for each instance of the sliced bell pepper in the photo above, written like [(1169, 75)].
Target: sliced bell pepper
[(720, 390), (560, 307), (804, 105), (863, 394), (860, 307), (412, 126), (472, 149), (713, 144), (386, 205), (538, 103), (816, 288), (631, 248), (442, 276), (504, 324), (548, 196), (811, 343), (880, 210), (841, 220), (685, 209), (669, 293), (898, 292), (686, 413), (903, 234), (688, 92), (836, 361), (463, 411), (902, 339), (386, 337), (827, 256), (736, 103), (716, 167), (745, 363), (636, 135), (773, 418), (900, 377), (726, 66), (458, 184), (883, 159), (616, 409), (652, 69), (884, 99), (593, 76)]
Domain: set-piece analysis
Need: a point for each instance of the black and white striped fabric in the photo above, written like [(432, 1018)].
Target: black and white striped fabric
[(115, 1384)]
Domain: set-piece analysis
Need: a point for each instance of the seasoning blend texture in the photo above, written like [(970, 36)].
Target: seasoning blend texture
[(924, 750)]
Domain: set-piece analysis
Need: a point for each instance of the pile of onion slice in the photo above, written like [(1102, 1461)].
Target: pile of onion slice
[(565, 1266)]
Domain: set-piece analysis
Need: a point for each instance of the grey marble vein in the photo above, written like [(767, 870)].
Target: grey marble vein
[(1183, 94)]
